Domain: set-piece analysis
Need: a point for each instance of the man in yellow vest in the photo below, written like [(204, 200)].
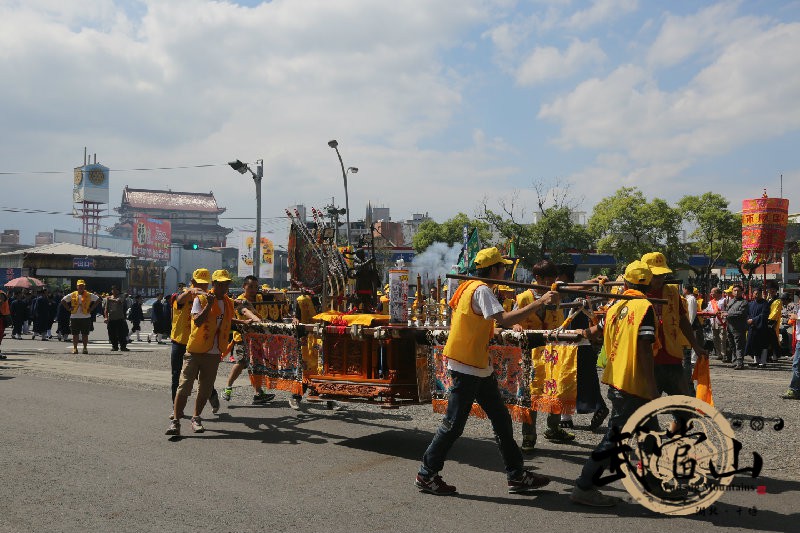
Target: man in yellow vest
[(212, 316), (774, 318), (476, 310), (629, 333), (672, 375), (247, 308), (181, 303), (81, 304)]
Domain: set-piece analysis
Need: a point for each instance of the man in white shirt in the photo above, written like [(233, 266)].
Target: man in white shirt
[(80, 304), (716, 305)]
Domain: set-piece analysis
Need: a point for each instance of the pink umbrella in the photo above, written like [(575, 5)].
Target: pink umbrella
[(24, 282)]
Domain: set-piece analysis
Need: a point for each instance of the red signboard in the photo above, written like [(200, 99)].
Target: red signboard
[(151, 238)]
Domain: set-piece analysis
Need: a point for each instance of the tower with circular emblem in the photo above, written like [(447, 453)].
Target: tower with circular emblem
[(90, 198)]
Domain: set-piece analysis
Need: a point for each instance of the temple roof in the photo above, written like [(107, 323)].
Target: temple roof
[(169, 200)]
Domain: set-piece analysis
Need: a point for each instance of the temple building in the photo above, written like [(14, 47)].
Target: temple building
[(194, 216)]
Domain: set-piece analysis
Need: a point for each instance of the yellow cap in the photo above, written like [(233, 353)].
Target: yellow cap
[(729, 289), (220, 275), (380, 293), (695, 291), (638, 273), (81, 282), (201, 275), (265, 287), (490, 256), (657, 263)]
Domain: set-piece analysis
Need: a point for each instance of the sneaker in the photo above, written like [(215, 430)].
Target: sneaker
[(124, 350), (262, 398), (528, 444), (174, 428), (791, 395), (85, 351), (197, 425), (74, 350), (226, 393), (294, 403), (738, 366), (526, 482), (598, 418), (214, 401), (333, 406), (566, 424), (558, 435), (434, 485), (593, 498)]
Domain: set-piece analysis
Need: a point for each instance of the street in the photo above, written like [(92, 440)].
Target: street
[(84, 450)]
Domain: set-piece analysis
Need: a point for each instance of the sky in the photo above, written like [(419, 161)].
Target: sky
[(440, 104)]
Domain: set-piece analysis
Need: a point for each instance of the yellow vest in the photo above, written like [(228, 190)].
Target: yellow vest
[(85, 303), (470, 333), (552, 317), (668, 317), (181, 321), (624, 370), (201, 339), (307, 311), (237, 337), (775, 311)]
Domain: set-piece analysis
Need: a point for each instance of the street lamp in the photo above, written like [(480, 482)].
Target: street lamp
[(335, 145), (244, 168)]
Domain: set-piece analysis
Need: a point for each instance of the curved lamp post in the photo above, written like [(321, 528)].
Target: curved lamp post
[(335, 145), (243, 168)]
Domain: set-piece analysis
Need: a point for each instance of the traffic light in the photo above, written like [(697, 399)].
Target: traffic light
[(191, 246)]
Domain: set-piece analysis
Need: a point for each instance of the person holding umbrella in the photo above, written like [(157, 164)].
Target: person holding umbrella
[(81, 304)]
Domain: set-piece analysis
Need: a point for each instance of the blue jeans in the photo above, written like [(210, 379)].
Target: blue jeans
[(795, 383), (465, 390), (176, 363)]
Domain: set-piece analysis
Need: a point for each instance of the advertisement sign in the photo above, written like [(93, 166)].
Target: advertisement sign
[(398, 295), (151, 238), (7, 274), (83, 263), (247, 241)]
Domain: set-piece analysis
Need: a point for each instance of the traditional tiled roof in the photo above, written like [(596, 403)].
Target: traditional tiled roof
[(169, 200)]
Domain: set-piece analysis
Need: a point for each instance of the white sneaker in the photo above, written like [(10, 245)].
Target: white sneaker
[(294, 403)]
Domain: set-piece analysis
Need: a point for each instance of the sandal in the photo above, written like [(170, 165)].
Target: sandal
[(598, 418)]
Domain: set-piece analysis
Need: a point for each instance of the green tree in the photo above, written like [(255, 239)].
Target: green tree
[(717, 233), (627, 226), (450, 231)]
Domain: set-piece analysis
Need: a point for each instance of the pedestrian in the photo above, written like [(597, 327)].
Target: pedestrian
[(211, 319), (793, 392), (304, 312), (774, 319), (136, 316), (629, 332), (475, 312), (181, 302), (716, 305), (758, 331), (81, 305), (160, 317), (62, 319), (41, 315), (114, 309), (247, 308), (19, 315), (736, 317), (5, 317), (28, 299)]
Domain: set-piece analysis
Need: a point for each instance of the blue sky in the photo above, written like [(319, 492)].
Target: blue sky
[(440, 104)]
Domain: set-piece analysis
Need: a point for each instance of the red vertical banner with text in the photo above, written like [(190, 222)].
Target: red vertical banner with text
[(151, 238)]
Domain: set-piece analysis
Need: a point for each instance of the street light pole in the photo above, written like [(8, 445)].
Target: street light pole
[(243, 168), (335, 145)]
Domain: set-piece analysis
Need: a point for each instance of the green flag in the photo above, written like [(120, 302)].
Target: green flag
[(466, 262)]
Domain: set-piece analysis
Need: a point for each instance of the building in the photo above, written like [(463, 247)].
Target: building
[(411, 227), (194, 217), (62, 264), (43, 237)]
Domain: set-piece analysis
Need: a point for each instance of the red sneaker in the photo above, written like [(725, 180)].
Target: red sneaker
[(434, 485), (526, 482)]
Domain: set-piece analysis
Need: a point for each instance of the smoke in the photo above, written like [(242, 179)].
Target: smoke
[(436, 261)]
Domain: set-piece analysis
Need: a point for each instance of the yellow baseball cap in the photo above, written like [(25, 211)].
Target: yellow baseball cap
[(201, 275), (490, 256), (638, 273), (265, 287), (729, 289), (220, 275), (80, 282), (657, 263)]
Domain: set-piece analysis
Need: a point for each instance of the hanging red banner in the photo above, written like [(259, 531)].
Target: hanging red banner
[(764, 222)]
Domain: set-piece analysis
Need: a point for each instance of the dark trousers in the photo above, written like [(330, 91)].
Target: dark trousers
[(465, 390), (16, 326), (176, 364), (737, 345), (623, 405), (117, 333)]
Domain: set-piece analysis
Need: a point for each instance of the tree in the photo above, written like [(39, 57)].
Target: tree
[(717, 233), (450, 231), (627, 226), (551, 232)]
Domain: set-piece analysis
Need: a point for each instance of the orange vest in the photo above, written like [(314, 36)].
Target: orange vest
[(201, 338), (552, 317), (470, 333), (668, 317), (181, 321)]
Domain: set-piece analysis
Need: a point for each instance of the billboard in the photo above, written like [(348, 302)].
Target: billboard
[(151, 238), (247, 240)]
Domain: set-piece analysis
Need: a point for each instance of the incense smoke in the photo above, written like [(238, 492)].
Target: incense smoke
[(436, 261)]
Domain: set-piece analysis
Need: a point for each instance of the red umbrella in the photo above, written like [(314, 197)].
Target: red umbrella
[(24, 282)]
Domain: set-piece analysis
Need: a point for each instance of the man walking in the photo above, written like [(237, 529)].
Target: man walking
[(81, 304), (736, 318), (718, 327), (475, 312), (114, 308)]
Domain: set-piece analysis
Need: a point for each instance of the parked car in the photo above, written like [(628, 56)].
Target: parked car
[(147, 308)]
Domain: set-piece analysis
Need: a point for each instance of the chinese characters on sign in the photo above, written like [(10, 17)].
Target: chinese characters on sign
[(151, 238)]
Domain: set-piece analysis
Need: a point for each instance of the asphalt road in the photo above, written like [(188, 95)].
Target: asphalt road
[(83, 449)]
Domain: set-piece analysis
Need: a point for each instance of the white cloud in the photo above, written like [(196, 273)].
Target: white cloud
[(600, 11), (548, 63)]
